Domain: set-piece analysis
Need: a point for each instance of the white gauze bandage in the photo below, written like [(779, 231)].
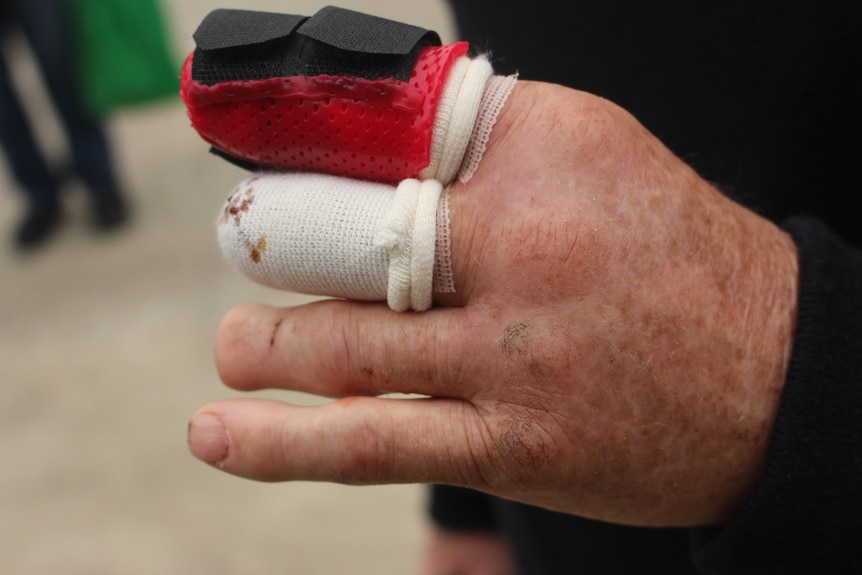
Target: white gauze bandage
[(326, 235), (333, 236), (456, 116)]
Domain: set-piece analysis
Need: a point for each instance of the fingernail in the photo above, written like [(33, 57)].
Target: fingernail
[(208, 439)]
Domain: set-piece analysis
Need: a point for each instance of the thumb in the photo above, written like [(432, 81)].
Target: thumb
[(357, 440)]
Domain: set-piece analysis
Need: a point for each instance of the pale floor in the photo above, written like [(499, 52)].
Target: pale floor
[(105, 351)]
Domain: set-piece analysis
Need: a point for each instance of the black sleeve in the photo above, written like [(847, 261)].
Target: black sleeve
[(805, 513), (460, 509)]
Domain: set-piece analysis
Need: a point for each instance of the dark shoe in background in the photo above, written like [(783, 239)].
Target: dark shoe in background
[(36, 228), (110, 210)]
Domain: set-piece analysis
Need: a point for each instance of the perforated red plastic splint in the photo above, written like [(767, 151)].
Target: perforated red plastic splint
[(369, 128)]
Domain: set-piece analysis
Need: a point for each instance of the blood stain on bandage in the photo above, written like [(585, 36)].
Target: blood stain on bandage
[(237, 204), (256, 250)]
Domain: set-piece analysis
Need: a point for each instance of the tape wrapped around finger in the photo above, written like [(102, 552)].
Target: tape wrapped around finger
[(326, 235)]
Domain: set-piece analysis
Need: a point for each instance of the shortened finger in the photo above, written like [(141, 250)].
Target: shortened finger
[(308, 233), (336, 348)]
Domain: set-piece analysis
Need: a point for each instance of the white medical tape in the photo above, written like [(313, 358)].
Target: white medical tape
[(408, 233), (456, 115)]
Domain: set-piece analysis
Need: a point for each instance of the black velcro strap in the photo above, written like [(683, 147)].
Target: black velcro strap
[(225, 28), (247, 45), (357, 32)]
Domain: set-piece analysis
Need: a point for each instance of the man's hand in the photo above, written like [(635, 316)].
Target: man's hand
[(616, 347)]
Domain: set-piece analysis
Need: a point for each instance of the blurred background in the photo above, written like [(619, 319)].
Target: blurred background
[(106, 350)]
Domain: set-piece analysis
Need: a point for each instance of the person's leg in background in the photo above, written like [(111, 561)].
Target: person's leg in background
[(26, 163), (46, 25)]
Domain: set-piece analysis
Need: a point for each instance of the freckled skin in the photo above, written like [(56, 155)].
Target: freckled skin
[(616, 346), (635, 296)]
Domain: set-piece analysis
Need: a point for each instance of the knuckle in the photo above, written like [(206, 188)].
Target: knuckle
[(524, 444), (523, 451), (343, 364)]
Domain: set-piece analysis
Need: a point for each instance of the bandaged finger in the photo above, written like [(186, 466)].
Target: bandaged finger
[(331, 236), (339, 92)]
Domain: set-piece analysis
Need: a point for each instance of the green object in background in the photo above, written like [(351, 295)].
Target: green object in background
[(124, 53)]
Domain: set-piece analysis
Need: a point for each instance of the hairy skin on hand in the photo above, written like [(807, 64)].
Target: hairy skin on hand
[(616, 346), (651, 298)]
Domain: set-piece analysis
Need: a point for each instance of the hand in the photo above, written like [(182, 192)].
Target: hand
[(467, 553), (616, 346)]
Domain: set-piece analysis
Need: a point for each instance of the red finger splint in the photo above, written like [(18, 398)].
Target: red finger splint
[(340, 92)]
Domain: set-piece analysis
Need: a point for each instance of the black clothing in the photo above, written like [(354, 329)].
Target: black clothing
[(545, 542), (763, 98), (804, 514)]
